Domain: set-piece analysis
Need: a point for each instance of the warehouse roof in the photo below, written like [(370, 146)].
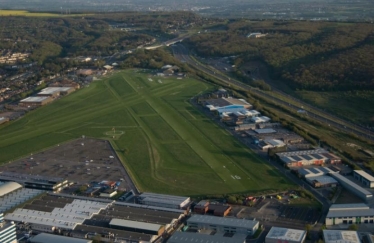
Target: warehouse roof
[(340, 236), (343, 179), (34, 99), (365, 175), (302, 152), (166, 199), (214, 220), (349, 210), (135, 224), (324, 180), (8, 187), (178, 237), (47, 238), (265, 130), (52, 90), (275, 142), (286, 234), (314, 171)]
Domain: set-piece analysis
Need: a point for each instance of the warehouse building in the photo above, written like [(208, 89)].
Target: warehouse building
[(35, 101), (56, 91), (315, 171), (364, 178), (7, 231), (307, 157), (65, 218), (12, 194), (340, 236), (141, 227), (322, 181), (214, 104), (346, 214), (49, 238), (205, 207), (180, 237), (353, 187), (35, 181), (270, 143), (162, 200), (3, 120), (260, 119), (223, 225), (277, 234)]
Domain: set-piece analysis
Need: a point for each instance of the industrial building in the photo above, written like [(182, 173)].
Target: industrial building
[(7, 231), (65, 218), (180, 237), (223, 225), (315, 171), (214, 104), (308, 157), (341, 236), (364, 178), (12, 194), (35, 101), (162, 200), (353, 187), (140, 227), (260, 119), (56, 91), (345, 214), (270, 143), (322, 181), (35, 181), (277, 234), (205, 207), (3, 120), (50, 238)]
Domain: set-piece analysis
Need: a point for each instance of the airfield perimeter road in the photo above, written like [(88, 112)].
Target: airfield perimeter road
[(182, 54)]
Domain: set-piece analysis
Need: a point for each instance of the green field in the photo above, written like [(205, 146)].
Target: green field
[(32, 14), (166, 144)]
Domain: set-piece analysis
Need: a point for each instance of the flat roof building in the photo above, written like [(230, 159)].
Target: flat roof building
[(322, 181), (315, 171), (50, 238), (141, 227), (307, 157), (364, 177), (353, 187), (340, 236), (180, 237), (7, 231), (278, 234), (162, 200), (346, 214), (56, 91), (35, 101), (223, 225), (17, 197)]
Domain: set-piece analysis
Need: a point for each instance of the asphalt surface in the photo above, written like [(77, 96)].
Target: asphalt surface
[(182, 53)]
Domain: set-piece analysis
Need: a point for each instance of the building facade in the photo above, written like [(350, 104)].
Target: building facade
[(7, 231), (366, 179), (346, 214)]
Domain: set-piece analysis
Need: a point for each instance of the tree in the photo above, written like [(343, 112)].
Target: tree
[(353, 227)]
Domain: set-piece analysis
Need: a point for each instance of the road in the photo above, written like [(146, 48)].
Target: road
[(181, 53)]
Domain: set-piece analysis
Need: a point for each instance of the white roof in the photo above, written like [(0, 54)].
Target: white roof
[(35, 99), (52, 90), (135, 224), (48, 238), (214, 220), (286, 234), (8, 187), (365, 175), (340, 236), (163, 198), (275, 142)]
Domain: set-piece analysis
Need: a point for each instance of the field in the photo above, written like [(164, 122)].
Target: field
[(166, 144), (31, 14)]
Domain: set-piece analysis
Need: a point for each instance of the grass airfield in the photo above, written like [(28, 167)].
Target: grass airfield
[(165, 143)]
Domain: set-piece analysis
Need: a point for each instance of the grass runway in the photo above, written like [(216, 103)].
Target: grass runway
[(167, 145)]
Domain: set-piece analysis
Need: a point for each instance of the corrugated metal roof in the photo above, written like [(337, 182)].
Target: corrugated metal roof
[(135, 224), (34, 99), (365, 175), (48, 238), (342, 179), (325, 180), (350, 210), (178, 237), (214, 220)]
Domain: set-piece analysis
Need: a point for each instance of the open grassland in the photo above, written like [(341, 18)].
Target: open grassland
[(33, 14), (166, 144)]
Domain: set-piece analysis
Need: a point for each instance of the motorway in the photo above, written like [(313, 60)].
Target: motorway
[(182, 53)]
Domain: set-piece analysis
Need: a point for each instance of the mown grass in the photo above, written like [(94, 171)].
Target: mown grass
[(167, 145)]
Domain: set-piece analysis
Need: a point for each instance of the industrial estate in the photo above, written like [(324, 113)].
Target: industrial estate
[(123, 153)]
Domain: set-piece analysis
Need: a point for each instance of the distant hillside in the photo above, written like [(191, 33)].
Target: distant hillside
[(305, 55)]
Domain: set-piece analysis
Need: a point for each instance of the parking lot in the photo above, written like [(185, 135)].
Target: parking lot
[(81, 161), (275, 213)]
